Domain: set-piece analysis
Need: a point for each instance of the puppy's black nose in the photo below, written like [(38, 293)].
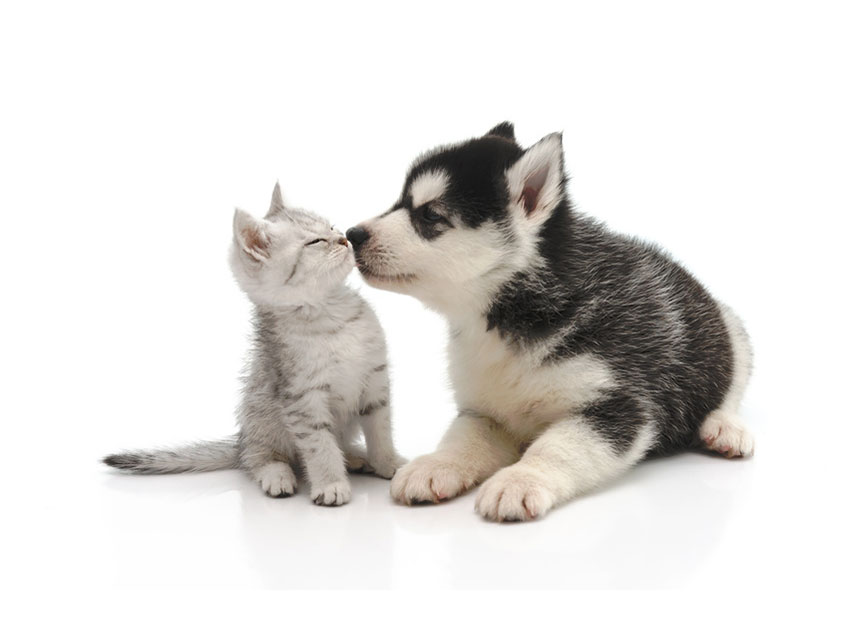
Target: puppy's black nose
[(357, 236)]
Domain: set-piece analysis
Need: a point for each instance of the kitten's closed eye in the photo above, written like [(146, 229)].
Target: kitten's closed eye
[(316, 241)]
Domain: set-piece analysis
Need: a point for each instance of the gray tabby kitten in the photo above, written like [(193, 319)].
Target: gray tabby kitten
[(318, 373)]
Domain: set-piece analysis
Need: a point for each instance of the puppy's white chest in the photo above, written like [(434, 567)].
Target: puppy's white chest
[(515, 387)]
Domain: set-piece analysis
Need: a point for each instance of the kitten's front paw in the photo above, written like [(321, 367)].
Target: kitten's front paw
[(386, 469), (430, 479), (514, 494), (333, 494), (277, 479)]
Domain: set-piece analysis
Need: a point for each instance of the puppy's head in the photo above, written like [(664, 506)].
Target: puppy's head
[(469, 217)]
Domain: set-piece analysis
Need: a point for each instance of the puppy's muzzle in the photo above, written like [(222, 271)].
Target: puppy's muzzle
[(357, 236)]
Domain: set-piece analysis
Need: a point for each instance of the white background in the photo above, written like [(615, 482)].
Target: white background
[(129, 133)]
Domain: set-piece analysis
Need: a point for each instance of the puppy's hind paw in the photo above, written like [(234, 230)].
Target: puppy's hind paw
[(726, 434)]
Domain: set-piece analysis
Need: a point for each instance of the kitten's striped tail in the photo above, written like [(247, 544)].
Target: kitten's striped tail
[(200, 456)]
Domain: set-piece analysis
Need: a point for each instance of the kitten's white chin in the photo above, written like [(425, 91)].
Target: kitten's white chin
[(348, 261)]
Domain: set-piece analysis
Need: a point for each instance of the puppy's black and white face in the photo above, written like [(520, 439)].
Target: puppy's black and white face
[(469, 215)]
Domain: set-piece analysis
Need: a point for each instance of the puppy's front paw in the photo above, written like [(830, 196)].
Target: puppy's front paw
[(277, 479), (333, 494), (514, 494), (430, 479)]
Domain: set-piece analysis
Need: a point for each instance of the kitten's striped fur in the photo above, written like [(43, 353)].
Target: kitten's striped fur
[(318, 373)]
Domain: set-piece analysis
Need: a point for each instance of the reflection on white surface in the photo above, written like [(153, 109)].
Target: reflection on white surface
[(656, 527)]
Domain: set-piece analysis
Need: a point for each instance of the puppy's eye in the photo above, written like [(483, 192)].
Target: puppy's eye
[(316, 241), (431, 215)]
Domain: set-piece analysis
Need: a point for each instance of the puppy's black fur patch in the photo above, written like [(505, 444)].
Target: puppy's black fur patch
[(477, 190)]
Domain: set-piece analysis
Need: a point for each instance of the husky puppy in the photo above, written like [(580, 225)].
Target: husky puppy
[(575, 352), (317, 375)]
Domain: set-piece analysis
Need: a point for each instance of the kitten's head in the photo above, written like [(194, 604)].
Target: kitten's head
[(288, 258)]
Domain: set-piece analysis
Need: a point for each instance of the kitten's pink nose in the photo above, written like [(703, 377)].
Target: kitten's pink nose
[(343, 241)]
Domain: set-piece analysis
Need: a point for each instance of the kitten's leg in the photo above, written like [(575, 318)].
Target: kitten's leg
[(377, 428), (274, 475), (473, 448), (356, 460), (571, 457), (355, 454), (376, 420), (311, 425)]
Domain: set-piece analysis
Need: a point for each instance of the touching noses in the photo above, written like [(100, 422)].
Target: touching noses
[(357, 236)]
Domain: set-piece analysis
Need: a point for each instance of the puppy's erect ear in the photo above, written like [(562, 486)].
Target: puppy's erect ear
[(505, 130), (251, 236), (276, 206), (536, 181)]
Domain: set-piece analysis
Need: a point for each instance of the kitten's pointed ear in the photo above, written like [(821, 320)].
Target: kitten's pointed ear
[(537, 181), (276, 206), (505, 130), (251, 236)]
